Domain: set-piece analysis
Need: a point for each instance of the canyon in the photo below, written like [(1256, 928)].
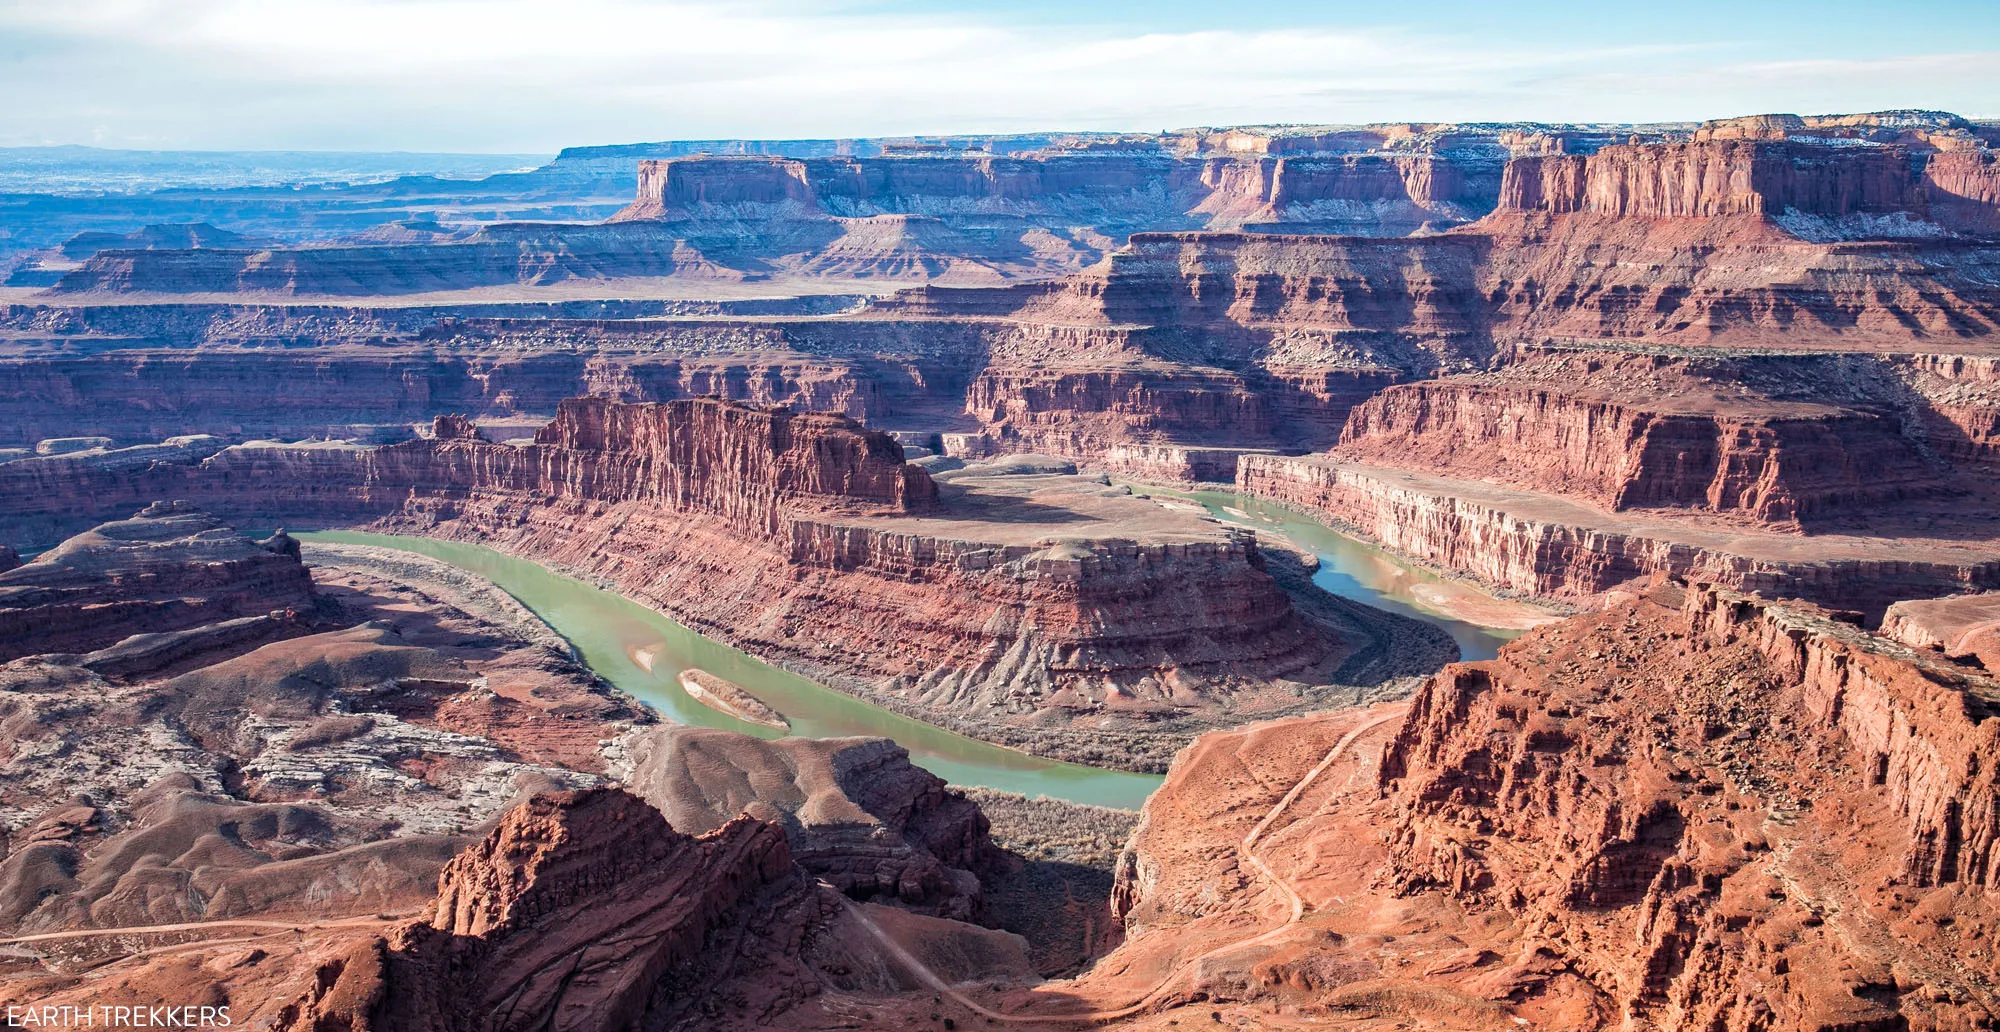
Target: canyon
[(978, 431), (307, 823), (1046, 610)]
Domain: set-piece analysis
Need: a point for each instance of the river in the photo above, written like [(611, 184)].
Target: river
[(643, 652), (1352, 568)]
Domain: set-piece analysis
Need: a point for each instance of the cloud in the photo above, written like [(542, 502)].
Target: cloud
[(530, 75)]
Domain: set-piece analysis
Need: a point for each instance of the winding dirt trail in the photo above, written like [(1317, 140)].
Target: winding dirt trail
[(191, 926), (1297, 908)]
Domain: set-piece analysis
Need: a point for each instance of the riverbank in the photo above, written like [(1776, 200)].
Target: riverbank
[(604, 628), (1353, 567), (1390, 610)]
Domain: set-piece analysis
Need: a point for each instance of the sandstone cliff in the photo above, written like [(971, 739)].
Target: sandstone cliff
[(1776, 442), (1542, 544), (859, 816), (1696, 810), (580, 910), (166, 569)]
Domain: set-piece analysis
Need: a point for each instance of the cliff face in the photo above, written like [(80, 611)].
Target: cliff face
[(1696, 810), (1961, 404), (857, 813), (1421, 288), (739, 462), (1541, 545), (1963, 189), (1092, 412), (1361, 193), (1018, 608), (1625, 431), (1730, 240), (581, 910), (1714, 178), (163, 570), (1857, 731)]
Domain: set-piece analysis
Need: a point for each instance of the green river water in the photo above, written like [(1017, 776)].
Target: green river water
[(611, 633)]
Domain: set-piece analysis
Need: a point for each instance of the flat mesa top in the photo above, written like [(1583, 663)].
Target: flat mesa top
[(1031, 509)]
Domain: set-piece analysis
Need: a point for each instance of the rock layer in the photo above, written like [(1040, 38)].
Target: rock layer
[(1696, 810), (1638, 431), (166, 569), (579, 911), (1543, 545), (859, 816)]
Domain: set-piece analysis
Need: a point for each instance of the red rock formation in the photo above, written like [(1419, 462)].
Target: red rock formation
[(1693, 811), (1961, 404), (581, 910), (859, 816), (1963, 627), (164, 570), (1544, 545), (734, 460), (1716, 178), (1091, 412), (1963, 189), (1625, 431)]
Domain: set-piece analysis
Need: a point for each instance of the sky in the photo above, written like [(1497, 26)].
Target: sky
[(532, 76)]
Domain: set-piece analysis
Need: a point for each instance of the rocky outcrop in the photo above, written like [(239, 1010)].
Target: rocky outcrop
[(1962, 627), (1638, 431), (1712, 178), (1880, 733), (859, 816), (1102, 414), (1962, 187), (1696, 810), (1543, 545), (166, 569), (581, 910), (1960, 404), (734, 460)]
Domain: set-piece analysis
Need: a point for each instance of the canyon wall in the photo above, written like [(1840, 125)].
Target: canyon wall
[(1713, 178), (1543, 546), (1048, 612), (1634, 430), (164, 570), (1511, 752), (1368, 194), (579, 910), (741, 462), (1093, 413), (1693, 810), (1961, 404)]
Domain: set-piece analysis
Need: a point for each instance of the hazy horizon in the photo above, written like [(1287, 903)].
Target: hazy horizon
[(525, 77)]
